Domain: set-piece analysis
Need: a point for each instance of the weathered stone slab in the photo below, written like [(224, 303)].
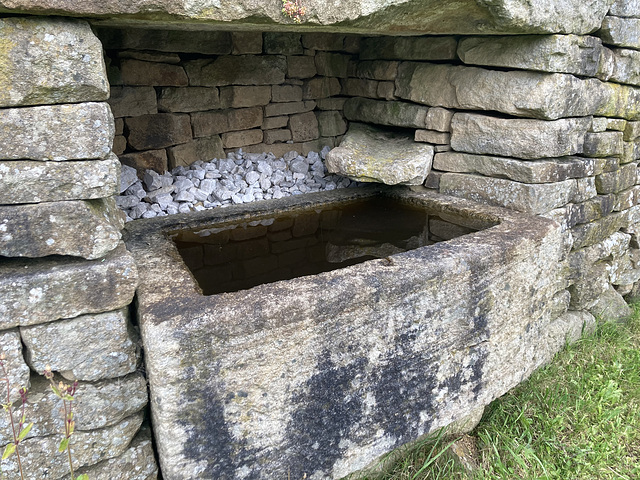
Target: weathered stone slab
[(538, 171), (330, 123), (38, 230), (304, 127), (579, 55), (244, 96), (255, 357), (626, 66), (320, 87), (596, 231), (536, 198), (323, 41), (622, 32), (332, 64), (621, 101), (408, 48), (377, 69), (136, 463), (237, 70), (360, 87), (359, 16), (301, 66), (368, 154), (398, 114), (611, 306), (161, 130), (99, 404), (286, 93), (35, 291), (520, 138), (439, 119), (56, 344), (133, 101), (242, 138), (288, 108), (165, 40), (603, 144), (432, 136), (276, 136), (189, 99), (149, 160), (283, 43), (89, 448), (214, 122), (527, 94), (57, 132), (203, 149), (48, 60), (614, 182), (149, 56), (246, 42), (25, 181), (17, 370), (136, 72)]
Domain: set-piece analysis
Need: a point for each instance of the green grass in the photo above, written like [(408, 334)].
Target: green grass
[(577, 418)]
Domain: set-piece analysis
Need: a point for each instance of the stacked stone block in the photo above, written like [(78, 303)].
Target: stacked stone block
[(177, 101), (66, 279)]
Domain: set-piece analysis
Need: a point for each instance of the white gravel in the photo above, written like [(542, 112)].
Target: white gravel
[(239, 178)]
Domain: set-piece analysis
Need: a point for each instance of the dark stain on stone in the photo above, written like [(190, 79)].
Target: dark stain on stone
[(326, 408)]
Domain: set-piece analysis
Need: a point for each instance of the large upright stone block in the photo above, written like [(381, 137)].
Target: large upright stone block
[(47, 60), (525, 94), (519, 138), (57, 132), (38, 290), (547, 53)]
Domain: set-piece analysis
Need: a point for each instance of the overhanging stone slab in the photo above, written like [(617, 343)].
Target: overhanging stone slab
[(35, 291), (57, 132), (226, 380), (50, 60), (369, 154), (528, 94), (25, 181), (52, 228), (536, 198), (398, 114), (519, 138)]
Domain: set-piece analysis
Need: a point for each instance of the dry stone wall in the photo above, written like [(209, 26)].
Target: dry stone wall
[(66, 279)]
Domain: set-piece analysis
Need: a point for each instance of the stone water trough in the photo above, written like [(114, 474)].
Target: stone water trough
[(320, 375)]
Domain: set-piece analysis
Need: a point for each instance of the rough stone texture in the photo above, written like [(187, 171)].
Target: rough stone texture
[(17, 370), (614, 182), (237, 70), (537, 198), (603, 144), (98, 405), (520, 138), (25, 181), (360, 87), (320, 87), (242, 138), (332, 64), (244, 96), (136, 72), (56, 344), (368, 154), (621, 100), (611, 305), (527, 94), (165, 40), (35, 291), (246, 42), (38, 230), (289, 108), (301, 67), (431, 136), (398, 114), (133, 101), (150, 160), (417, 354), (304, 127), (439, 119), (625, 8), (282, 43), (378, 69), (621, 32), (46, 60), (89, 447), (359, 16), (538, 171), (148, 132), (548, 53), (286, 93), (190, 99), (213, 122), (626, 66), (408, 48), (136, 463), (330, 124), (596, 231), (203, 149), (57, 132)]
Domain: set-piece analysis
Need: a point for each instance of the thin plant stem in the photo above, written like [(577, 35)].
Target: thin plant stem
[(10, 412)]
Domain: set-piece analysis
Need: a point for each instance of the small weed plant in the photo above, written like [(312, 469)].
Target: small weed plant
[(294, 10), (20, 429), (576, 419)]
